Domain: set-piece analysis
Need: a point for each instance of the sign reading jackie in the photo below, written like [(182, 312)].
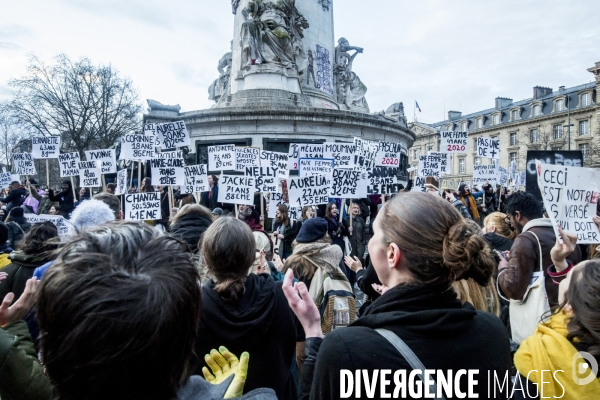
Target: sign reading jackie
[(237, 189), (571, 196)]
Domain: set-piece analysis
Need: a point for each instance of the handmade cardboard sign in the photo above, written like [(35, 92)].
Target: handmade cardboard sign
[(277, 161), (303, 150), (308, 191), (315, 166), (570, 197), (221, 157), (237, 189), (59, 221), (171, 135), (246, 157), (343, 154), (138, 147), (383, 180), (196, 179), (142, 206), (89, 174), (68, 164), (388, 154), (23, 164), (168, 171), (488, 148), (430, 165), (483, 174), (265, 179), (347, 183), (45, 146), (121, 182), (107, 161), (454, 142)]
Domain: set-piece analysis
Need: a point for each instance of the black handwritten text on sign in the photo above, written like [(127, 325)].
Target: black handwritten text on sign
[(488, 148), (142, 206), (172, 135)]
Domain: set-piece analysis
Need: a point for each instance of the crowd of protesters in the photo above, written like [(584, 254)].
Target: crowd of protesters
[(221, 301)]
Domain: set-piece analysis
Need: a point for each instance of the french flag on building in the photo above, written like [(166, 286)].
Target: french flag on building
[(417, 105)]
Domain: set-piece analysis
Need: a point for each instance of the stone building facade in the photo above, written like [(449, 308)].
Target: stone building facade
[(543, 122)]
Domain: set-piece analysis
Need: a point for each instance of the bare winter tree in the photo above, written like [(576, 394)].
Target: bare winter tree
[(11, 134), (89, 106), (543, 138)]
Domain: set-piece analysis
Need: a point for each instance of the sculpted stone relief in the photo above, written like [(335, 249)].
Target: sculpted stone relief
[(350, 89), (272, 34), (220, 86)]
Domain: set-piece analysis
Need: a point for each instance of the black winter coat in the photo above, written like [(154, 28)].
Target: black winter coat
[(262, 324), (442, 333)]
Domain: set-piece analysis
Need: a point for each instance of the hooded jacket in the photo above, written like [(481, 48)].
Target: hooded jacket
[(524, 260), (261, 324), (443, 334), (19, 271), (17, 228)]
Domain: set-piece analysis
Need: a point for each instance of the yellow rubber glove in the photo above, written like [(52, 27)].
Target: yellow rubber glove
[(223, 364)]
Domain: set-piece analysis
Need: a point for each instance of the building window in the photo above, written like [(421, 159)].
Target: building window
[(513, 139), (477, 160), (513, 157), (479, 123), (558, 130), (534, 136), (462, 169), (415, 154), (559, 105), (514, 115), (585, 99), (463, 126), (496, 119), (584, 127), (537, 110), (585, 150)]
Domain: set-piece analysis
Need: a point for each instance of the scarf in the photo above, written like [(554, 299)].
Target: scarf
[(472, 206), (326, 259), (549, 349)]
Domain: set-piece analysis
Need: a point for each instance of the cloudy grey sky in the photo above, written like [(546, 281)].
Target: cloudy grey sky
[(457, 54)]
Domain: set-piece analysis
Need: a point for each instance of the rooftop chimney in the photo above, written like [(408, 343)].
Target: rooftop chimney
[(502, 102), (540, 91), (452, 115), (561, 88)]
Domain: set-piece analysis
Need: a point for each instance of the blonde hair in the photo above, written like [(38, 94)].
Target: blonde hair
[(497, 220), (482, 298)]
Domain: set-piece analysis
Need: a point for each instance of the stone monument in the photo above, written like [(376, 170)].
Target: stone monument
[(286, 80)]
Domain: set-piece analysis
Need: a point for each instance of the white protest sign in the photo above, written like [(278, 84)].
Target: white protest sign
[(308, 191), (121, 182), (171, 135), (265, 179), (419, 184), (430, 165), (454, 142), (196, 179), (347, 183), (444, 161), (571, 196), (168, 170), (513, 174), (383, 180), (488, 148), (142, 206), (5, 179), (107, 160), (277, 161), (89, 174), (246, 157), (221, 157), (315, 166), (343, 154), (522, 178), (483, 174), (58, 221), (150, 129), (388, 154), (275, 199), (502, 176), (303, 150), (366, 151), (45, 146), (23, 164), (69, 164), (137, 147), (237, 190)]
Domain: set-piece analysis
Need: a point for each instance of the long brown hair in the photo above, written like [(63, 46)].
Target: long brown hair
[(439, 247), (283, 215), (228, 250), (582, 295), (482, 298), (328, 210)]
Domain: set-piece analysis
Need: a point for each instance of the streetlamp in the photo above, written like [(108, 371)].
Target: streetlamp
[(569, 124)]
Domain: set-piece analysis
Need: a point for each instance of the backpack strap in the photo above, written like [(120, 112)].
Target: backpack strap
[(408, 355), (540, 247)]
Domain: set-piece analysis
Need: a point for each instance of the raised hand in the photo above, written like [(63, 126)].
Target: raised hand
[(560, 252), (223, 364), (302, 305), (22, 306)]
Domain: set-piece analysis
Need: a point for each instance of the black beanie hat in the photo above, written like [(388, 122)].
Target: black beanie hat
[(16, 212), (3, 233), (312, 230)]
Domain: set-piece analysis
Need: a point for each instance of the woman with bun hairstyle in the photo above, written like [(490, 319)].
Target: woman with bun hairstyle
[(421, 245), (244, 311)]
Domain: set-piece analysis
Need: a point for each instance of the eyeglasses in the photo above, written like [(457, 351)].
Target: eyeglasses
[(507, 220)]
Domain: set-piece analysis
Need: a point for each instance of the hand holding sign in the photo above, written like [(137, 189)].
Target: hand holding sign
[(562, 249)]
